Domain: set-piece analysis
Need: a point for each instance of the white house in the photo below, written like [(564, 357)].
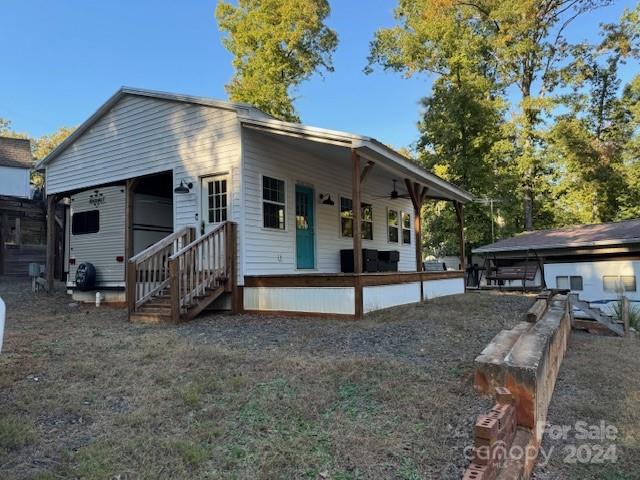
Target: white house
[(186, 200), (15, 167), (599, 262)]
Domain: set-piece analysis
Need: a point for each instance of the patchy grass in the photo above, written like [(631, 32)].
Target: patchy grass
[(85, 394), (599, 381)]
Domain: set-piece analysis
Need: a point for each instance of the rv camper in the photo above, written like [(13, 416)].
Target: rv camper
[(96, 231)]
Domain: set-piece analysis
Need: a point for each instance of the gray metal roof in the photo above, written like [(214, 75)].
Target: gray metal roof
[(599, 234), (15, 152)]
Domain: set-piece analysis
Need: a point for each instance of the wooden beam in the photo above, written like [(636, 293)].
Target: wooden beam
[(130, 276), (459, 207), (4, 232), (357, 211), (365, 171), (232, 259), (417, 193), (52, 201)]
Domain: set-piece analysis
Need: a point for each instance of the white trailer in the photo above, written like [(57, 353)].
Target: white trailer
[(96, 231)]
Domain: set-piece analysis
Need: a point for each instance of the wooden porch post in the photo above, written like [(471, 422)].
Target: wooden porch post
[(4, 223), (460, 214), (52, 201), (129, 273), (357, 232), (417, 194), (232, 259)]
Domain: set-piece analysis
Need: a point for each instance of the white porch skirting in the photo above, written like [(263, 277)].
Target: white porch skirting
[(338, 295)]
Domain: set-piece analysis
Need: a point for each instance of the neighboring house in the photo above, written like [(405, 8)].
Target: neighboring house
[(218, 202), (22, 220), (16, 162), (599, 262)]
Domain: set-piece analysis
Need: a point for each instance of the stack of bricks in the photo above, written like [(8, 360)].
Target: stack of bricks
[(493, 436)]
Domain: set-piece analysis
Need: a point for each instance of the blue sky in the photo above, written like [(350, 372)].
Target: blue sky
[(63, 58)]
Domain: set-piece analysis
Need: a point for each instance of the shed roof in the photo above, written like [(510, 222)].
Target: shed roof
[(15, 152), (599, 234), (251, 116)]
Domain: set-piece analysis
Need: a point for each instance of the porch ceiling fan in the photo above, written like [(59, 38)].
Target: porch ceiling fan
[(393, 194)]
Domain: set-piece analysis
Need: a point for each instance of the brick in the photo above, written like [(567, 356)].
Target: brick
[(486, 427), (479, 472), (504, 396)]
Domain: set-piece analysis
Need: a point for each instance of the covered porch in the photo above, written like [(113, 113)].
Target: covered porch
[(335, 166)]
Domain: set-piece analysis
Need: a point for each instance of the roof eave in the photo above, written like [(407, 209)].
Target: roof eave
[(601, 243)]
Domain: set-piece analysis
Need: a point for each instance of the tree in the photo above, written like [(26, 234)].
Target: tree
[(276, 44), (44, 145), (526, 42)]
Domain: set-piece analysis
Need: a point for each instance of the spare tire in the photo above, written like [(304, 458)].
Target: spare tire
[(86, 276)]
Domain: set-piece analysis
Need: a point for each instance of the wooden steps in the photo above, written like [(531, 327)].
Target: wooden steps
[(175, 279), (596, 314)]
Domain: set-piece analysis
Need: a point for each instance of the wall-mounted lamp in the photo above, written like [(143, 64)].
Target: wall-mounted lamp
[(183, 187), (326, 199)]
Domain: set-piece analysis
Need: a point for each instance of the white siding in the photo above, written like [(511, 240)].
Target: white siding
[(592, 281), (385, 296), (142, 135), (14, 182), (329, 300), (274, 252), (442, 287)]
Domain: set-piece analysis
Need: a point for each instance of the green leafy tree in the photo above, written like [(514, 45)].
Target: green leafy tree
[(276, 44), (526, 45)]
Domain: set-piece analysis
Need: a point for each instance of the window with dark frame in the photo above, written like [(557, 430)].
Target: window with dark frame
[(217, 200), (573, 282), (83, 223), (392, 225), (346, 219), (406, 228), (619, 283), (273, 203)]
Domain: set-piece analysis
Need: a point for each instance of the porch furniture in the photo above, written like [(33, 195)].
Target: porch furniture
[(520, 272), (388, 260), (369, 260), (433, 266)]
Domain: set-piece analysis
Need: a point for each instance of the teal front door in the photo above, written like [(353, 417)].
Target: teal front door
[(305, 228)]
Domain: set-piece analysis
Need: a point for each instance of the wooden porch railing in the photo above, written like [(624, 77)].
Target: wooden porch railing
[(148, 271), (201, 270)]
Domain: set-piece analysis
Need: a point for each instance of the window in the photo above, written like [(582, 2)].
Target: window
[(392, 225), (346, 219), (619, 283), (273, 203), (217, 200), (406, 228), (85, 222), (569, 283)]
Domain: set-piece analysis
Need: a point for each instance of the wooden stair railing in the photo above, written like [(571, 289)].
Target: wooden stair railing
[(148, 271), (201, 271)]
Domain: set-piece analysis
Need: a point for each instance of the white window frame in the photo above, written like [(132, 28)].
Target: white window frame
[(217, 177), (283, 204)]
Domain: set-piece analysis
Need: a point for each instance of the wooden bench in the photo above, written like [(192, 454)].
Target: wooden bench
[(433, 266), (522, 272)]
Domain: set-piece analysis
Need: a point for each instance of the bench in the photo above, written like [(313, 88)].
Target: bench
[(522, 272), (433, 266)]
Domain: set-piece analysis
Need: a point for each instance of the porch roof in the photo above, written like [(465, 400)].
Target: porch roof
[(326, 142)]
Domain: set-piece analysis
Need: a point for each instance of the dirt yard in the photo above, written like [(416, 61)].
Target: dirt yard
[(85, 394)]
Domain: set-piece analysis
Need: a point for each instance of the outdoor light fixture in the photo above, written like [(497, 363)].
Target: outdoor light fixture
[(183, 188), (326, 200)]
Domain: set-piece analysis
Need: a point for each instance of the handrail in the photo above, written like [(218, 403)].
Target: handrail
[(148, 271), (202, 266), (199, 240), (156, 247)]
